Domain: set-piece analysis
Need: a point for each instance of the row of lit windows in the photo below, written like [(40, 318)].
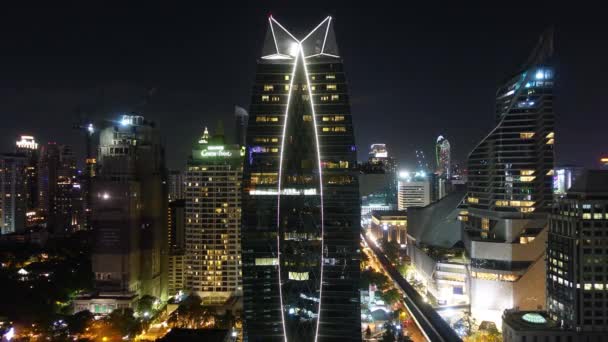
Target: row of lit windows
[(266, 119), (333, 97), (334, 129), (495, 276), (270, 87), (266, 98), (265, 139), (505, 203)]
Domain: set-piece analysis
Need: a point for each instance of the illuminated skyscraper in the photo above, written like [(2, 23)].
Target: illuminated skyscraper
[(28, 146), (510, 192), (443, 157), (301, 211), (213, 219)]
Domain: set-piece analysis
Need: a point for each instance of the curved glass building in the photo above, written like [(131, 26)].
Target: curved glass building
[(510, 192), (301, 210)]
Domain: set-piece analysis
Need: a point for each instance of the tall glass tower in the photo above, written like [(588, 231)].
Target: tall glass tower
[(510, 192), (301, 210)]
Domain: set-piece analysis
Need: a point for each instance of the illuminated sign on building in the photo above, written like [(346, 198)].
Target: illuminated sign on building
[(27, 142), (215, 151)]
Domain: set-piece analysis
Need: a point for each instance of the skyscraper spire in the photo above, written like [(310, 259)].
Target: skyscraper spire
[(205, 138)]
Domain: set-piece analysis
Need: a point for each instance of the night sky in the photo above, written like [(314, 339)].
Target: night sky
[(413, 72)]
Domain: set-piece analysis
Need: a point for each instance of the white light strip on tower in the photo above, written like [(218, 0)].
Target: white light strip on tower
[(313, 31), (284, 29), (314, 122), (326, 32), (274, 38), (293, 75)]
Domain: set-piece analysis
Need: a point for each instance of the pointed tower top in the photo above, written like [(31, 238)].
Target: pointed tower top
[(281, 44), (543, 50), (205, 138)]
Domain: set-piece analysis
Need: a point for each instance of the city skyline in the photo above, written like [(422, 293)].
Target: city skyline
[(152, 69)]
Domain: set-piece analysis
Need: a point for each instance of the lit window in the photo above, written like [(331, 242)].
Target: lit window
[(313, 88), (275, 99), (324, 98), (526, 135), (331, 87), (268, 87), (550, 142), (298, 276), (335, 97), (473, 200), (286, 77), (266, 261), (265, 98), (550, 172), (485, 223), (527, 172), (330, 77), (502, 203), (307, 118), (527, 178), (287, 87), (550, 135)]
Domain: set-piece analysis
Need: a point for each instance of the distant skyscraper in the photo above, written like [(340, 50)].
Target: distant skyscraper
[(129, 214), (213, 219), (576, 256), (510, 192), (177, 185), (443, 157), (241, 118), (414, 190), (13, 192), (301, 214)]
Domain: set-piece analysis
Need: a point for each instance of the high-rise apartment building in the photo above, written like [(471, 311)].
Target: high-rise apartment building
[(577, 250), (13, 192), (213, 219), (301, 211), (414, 190), (510, 192), (129, 205)]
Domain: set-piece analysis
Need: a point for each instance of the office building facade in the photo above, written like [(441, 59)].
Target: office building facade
[(301, 212), (510, 175), (213, 218)]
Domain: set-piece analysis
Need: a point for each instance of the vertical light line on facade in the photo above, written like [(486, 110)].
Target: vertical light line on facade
[(293, 74), (314, 122)]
